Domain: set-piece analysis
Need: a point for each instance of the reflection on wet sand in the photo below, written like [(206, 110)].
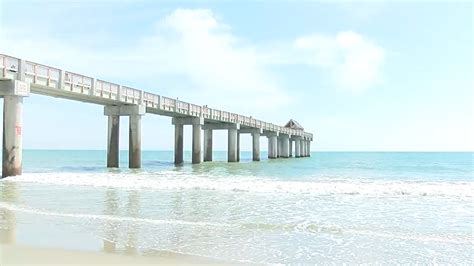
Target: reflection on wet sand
[(120, 237), (7, 217), (110, 230), (133, 206), (112, 234), (123, 236)]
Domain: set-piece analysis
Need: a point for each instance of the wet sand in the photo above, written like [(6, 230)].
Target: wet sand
[(28, 255)]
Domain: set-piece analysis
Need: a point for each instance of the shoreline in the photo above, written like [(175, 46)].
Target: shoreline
[(14, 254)]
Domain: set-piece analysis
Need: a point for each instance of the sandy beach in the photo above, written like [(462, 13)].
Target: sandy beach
[(12, 254)]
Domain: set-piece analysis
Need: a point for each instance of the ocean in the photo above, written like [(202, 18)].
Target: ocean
[(334, 207)]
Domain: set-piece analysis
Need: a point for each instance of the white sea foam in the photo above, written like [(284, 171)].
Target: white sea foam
[(18, 208), (173, 181), (307, 227)]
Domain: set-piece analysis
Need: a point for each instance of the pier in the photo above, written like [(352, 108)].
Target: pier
[(19, 78)]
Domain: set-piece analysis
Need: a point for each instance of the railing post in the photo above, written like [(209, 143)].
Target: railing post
[(61, 79), (35, 74), (141, 100), (20, 75), (119, 93), (92, 89)]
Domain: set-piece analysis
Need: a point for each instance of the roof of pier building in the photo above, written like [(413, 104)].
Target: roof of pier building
[(294, 125)]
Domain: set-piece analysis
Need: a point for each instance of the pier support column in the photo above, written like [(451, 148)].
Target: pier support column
[(13, 92), (134, 113), (232, 145), (290, 147), (297, 148), (238, 146), (196, 143), (256, 146), (12, 135), (178, 144), (179, 122), (113, 141), (208, 145), (309, 148), (135, 141), (285, 153), (272, 146), (305, 148), (302, 148), (280, 146), (306, 152)]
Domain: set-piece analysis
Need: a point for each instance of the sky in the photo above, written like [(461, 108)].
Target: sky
[(361, 76)]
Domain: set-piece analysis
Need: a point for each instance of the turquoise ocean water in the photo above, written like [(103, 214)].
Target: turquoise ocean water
[(334, 207)]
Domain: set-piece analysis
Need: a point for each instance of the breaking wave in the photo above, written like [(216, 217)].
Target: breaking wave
[(172, 181)]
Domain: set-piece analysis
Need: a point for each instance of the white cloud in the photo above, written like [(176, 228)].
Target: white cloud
[(354, 60), (222, 69), (195, 43), (217, 67)]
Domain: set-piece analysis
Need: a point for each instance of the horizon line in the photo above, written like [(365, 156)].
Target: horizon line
[(355, 151)]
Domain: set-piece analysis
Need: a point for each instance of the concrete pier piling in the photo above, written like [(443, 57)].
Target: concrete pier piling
[(297, 148), (135, 142), (13, 91), (290, 147), (135, 113), (256, 146), (233, 139), (238, 146), (12, 135), (113, 141), (278, 147), (178, 144), (272, 146), (232, 145), (196, 158), (255, 133), (302, 149), (305, 148), (285, 152), (309, 148), (197, 123), (208, 145)]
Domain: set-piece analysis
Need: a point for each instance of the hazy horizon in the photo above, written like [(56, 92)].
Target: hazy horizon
[(262, 150)]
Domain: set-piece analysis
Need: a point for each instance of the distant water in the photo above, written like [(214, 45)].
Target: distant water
[(333, 207)]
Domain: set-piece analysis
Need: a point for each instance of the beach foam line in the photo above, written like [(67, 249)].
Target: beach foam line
[(443, 238), (302, 227), (17, 208), (179, 182)]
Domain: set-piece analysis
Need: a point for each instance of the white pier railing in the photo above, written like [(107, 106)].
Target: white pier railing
[(57, 79)]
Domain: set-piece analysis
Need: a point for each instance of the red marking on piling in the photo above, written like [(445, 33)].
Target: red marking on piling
[(18, 130)]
